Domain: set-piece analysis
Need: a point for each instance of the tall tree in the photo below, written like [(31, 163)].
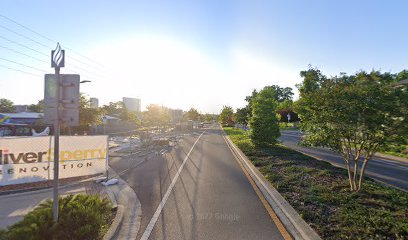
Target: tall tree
[(129, 116), (156, 115), (227, 115), (39, 107), (114, 108), (241, 115), (248, 107), (264, 122), (6, 106), (88, 116), (192, 114), (354, 115)]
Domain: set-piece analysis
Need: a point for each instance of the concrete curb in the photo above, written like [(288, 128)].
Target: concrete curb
[(126, 224), (294, 224), (114, 228)]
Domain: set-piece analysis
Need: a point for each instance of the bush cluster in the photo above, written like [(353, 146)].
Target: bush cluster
[(81, 216)]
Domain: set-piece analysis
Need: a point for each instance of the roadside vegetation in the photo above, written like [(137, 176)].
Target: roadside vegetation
[(287, 126), (355, 115), (321, 194), (81, 217)]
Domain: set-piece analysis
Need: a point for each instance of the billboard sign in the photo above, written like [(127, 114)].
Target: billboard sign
[(30, 159)]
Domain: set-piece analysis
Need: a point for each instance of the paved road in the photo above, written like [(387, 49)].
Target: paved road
[(394, 173), (211, 198)]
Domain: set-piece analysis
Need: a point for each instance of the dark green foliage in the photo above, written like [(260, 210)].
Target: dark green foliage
[(264, 126), (227, 116), (6, 106), (319, 193), (241, 115), (356, 115), (82, 217)]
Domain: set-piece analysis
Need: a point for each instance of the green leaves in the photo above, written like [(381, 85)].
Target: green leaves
[(81, 217), (227, 116), (264, 123), (351, 114), (6, 106)]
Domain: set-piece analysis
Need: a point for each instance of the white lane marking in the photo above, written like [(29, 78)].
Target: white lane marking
[(156, 215)]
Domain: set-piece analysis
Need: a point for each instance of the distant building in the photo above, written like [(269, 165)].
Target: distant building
[(132, 104), (21, 117), (176, 115), (21, 108), (94, 102)]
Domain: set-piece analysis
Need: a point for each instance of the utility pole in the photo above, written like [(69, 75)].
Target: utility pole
[(58, 56), (61, 99)]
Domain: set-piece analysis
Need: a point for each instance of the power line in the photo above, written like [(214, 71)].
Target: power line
[(10, 49), (18, 70), (21, 25), (21, 64), (70, 49), (29, 48), (23, 36), (49, 39), (24, 46)]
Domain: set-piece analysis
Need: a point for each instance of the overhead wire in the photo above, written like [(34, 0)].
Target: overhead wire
[(53, 41), (21, 64), (24, 54), (23, 36), (24, 46), (19, 70)]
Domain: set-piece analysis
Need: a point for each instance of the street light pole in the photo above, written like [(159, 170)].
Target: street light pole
[(56, 150)]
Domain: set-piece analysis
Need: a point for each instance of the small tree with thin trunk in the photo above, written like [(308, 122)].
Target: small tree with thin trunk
[(354, 115)]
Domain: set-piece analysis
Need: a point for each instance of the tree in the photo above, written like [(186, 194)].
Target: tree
[(227, 116), (156, 115), (284, 108), (354, 115), (264, 122), (6, 106), (39, 107), (129, 116), (312, 78), (192, 114), (88, 116), (248, 107), (241, 116), (114, 108)]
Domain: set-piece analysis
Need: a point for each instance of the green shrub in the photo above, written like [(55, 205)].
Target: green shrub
[(264, 126), (81, 216)]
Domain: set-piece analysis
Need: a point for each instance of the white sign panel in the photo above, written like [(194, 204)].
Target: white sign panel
[(30, 159)]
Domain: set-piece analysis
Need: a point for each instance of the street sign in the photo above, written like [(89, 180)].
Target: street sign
[(57, 57), (67, 98)]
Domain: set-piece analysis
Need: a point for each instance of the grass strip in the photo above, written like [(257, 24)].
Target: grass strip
[(320, 193)]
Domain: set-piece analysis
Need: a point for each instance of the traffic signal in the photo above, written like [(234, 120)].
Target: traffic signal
[(68, 99)]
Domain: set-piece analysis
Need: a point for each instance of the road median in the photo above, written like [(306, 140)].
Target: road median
[(318, 193)]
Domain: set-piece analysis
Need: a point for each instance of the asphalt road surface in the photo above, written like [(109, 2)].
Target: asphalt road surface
[(394, 173), (196, 190)]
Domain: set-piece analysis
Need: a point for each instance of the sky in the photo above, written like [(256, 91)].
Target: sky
[(202, 54)]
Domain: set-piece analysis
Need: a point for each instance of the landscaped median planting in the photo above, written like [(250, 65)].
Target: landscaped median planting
[(320, 193), (82, 217)]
